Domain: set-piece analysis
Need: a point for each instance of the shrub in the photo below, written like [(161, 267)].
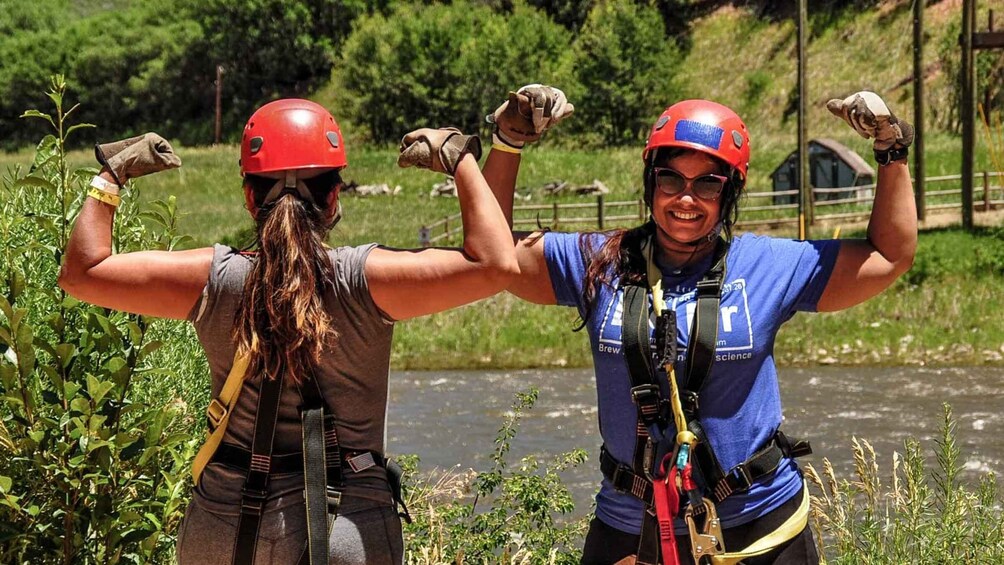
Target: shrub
[(625, 65), (444, 65), (517, 527), (88, 473)]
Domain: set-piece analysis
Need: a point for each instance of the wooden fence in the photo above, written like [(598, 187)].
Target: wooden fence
[(847, 204)]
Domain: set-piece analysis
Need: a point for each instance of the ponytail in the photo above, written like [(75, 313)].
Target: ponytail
[(282, 323)]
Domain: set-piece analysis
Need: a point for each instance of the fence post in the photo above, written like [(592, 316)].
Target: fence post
[(599, 210), (446, 227), (554, 216), (641, 209), (423, 236), (986, 191)]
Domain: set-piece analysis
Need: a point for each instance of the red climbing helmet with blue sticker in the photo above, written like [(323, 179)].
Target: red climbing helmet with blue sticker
[(703, 126)]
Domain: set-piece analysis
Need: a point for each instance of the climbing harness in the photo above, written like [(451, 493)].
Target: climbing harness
[(323, 462), (672, 454)]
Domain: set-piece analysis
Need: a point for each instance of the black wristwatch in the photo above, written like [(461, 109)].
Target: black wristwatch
[(891, 155)]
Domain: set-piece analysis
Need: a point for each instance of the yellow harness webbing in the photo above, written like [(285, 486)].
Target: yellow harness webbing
[(786, 531), (218, 413)]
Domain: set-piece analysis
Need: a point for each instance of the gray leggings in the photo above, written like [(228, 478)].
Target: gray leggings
[(366, 533)]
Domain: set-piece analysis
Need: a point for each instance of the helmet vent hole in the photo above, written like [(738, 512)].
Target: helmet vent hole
[(333, 138), (256, 143)]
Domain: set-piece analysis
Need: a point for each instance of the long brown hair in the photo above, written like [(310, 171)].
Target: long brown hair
[(619, 255), (282, 322)]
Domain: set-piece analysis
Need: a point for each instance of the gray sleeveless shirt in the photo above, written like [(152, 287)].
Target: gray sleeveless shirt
[(352, 376)]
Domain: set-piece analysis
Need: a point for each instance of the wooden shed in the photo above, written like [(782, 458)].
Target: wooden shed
[(831, 165)]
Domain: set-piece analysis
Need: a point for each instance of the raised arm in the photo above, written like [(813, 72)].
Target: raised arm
[(165, 284), (410, 283), (522, 119), (866, 267)]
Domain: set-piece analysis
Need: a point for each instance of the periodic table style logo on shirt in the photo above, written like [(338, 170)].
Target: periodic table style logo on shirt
[(735, 326)]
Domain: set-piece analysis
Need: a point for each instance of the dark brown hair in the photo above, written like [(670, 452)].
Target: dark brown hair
[(619, 255), (282, 322)]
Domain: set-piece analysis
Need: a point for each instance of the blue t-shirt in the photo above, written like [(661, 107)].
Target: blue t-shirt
[(767, 281)]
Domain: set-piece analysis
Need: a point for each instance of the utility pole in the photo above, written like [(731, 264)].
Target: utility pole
[(804, 190), (918, 107), (967, 112), (219, 104)]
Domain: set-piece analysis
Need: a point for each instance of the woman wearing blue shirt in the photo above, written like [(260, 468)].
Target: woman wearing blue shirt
[(734, 463)]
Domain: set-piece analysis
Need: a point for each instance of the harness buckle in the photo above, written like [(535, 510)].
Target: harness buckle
[(253, 501), (741, 474), (334, 500), (647, 399), (708, 540), (215, 413)]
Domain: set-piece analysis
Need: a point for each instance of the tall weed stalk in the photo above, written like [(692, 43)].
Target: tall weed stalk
[(923, 516)]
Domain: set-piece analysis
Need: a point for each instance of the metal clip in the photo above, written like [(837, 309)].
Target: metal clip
[(215, 412), (334, 500), (709, 540)]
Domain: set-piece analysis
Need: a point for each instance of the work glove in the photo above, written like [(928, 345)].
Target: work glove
[(136, 156), (437, 149), (868, 114), (528, 113)]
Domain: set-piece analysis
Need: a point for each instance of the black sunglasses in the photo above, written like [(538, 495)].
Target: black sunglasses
[(670, 182)]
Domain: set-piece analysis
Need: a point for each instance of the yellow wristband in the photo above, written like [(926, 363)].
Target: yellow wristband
[(110, 199), (506, 148)]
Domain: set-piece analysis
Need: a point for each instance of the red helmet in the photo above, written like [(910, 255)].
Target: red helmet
[(291, 134), (703, 126)]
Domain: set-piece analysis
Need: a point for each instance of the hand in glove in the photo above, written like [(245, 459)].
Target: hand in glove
[(868, 114), (437, 149), (528, 113), (136, 156)]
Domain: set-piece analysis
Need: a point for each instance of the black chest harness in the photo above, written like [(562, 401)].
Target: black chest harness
[(324, 462), (685, 459)]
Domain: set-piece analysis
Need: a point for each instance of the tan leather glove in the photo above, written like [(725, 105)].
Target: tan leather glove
[(528, 113), (868, 114), (437, 149), (136, 156)]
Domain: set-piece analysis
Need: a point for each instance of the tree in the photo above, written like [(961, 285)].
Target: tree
[(625, 65)]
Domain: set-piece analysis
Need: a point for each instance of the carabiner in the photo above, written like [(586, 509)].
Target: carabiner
[(708, 541)]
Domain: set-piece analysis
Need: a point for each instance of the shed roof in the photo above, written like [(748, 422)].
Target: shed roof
[(846, 154)]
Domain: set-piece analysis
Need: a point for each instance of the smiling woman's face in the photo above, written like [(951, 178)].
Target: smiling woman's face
[(686, 217)]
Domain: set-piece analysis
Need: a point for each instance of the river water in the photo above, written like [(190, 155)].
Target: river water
[(451, 417)]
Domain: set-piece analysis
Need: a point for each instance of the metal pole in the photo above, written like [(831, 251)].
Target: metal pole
[(918, 107), (219, 104), (967, 112), (805, 191)]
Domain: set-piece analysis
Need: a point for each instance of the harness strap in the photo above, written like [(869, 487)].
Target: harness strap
[(236, 457), (218, 414), (667, 501), (761, 464), (255, 489), (315, 491), (791, 527), (322, 466)]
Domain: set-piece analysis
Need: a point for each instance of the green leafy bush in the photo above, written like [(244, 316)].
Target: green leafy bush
[(519, 524), (88, 473), (443, 65), (625, 65)]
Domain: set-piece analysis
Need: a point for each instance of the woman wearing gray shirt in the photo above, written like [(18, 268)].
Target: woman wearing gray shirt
[(314, 319)]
